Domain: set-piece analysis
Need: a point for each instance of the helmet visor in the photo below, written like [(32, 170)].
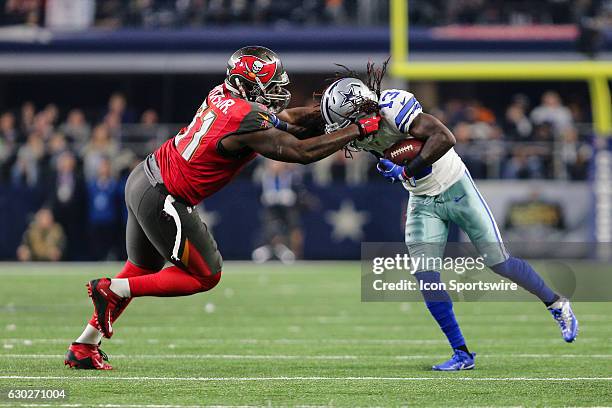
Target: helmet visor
[(276, 97)]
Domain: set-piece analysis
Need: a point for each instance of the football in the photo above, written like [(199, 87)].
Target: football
[(404, 151)]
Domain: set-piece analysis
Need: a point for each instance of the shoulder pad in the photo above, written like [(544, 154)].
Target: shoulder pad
[(257, 118)]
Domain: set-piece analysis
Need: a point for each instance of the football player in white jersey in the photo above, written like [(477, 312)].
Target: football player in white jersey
[(441, 190)]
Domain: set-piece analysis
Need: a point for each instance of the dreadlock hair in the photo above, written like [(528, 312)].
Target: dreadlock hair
[(374, 75), (373, 79)]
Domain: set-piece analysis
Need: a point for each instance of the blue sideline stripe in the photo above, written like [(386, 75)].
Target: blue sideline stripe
[(499, 240), (402, 113)]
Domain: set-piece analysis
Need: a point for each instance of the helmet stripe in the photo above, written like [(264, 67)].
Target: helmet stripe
[(325, 103)]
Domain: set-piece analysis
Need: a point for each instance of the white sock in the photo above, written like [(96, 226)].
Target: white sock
[(121, 287), (90, 335)]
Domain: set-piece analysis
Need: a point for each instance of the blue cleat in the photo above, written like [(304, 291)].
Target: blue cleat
[(459, 361), (562, 312)]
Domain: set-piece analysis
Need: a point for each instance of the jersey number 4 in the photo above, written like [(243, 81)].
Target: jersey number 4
[(189, 139)]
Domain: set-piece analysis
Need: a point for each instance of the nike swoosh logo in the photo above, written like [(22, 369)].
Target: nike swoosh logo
[(457, 199)]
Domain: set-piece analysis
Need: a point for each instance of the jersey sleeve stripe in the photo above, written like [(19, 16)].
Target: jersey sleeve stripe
[(402, 113), (408, 119)]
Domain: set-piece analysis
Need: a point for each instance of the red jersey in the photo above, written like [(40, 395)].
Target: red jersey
[(193, 164)]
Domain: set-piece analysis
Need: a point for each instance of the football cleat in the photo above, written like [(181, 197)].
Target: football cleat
[(562, 312), (106, 304), (459, 361), (123, 303), (86, 357)]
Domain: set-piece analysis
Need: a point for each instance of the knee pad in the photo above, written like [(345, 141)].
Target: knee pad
[(201, 265)]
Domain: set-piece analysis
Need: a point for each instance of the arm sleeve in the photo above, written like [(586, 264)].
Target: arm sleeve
[(258, 118), (399, 108)]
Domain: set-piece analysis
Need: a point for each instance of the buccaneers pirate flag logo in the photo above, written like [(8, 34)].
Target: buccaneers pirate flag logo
[(251, 67)]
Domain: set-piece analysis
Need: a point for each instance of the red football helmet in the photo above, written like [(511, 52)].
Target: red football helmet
[(257, 74)]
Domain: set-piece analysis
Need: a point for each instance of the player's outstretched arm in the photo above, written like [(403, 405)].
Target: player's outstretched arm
[(300, 115), (303, 121), (283, 146), (438, 140)]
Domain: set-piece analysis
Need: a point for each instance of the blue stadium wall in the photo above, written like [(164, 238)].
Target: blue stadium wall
[(341, 40), (345, 216), (237, 213)]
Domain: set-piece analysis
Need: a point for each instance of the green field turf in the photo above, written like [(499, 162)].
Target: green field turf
[(299, 335)]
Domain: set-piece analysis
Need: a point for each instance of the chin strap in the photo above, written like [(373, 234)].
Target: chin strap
[(241, 89), (261, 85)]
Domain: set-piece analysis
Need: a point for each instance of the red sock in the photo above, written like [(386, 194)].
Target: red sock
[(171, 281), (129, 271)]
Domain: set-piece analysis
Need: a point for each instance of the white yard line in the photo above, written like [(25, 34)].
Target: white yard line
[(504, 355), (204, 356), (18, 341), (27, 404), (301, 378), (304, 357), (244, 341)]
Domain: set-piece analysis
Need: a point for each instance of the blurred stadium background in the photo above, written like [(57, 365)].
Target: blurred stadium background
[(88, 88)]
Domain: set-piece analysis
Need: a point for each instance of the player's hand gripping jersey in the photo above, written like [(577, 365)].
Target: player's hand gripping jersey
[(398, 109), (193, 164)]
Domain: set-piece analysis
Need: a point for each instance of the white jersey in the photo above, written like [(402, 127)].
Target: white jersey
[(398, 109)]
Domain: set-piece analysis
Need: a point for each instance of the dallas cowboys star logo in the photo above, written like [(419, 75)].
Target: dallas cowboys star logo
[(348, 96), (347, 222)]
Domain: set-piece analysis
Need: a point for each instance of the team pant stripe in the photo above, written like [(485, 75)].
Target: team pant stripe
[(484, 203), (171, 211), (185, 256)]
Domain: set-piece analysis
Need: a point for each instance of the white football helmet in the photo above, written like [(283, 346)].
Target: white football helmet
[(339, 100)]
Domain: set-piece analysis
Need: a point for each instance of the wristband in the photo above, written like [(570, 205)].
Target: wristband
[(279, 124), (367, 126), (417, 164)]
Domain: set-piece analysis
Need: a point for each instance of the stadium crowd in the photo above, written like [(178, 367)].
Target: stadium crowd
[(78, 169), (522, 141), (80, 164), (198, 13), (514, 12)]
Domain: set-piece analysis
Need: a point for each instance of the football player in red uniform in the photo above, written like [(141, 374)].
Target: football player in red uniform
[(239, 119)]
